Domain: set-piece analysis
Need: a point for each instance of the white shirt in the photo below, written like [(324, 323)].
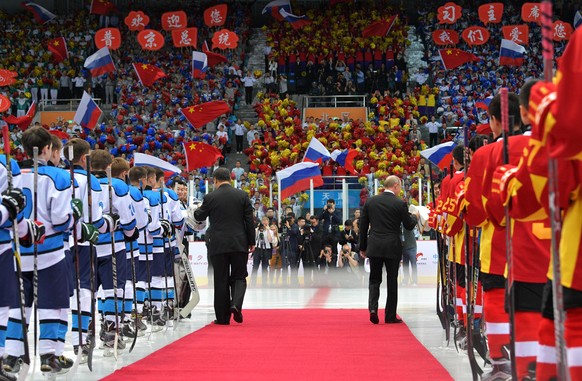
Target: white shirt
[(433, 127), (249, 81)]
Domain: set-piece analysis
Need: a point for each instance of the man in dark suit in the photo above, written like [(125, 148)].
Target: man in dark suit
[(231, 237), (380, 241)]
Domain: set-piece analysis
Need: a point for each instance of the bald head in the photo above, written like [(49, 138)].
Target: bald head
[(393, 183)]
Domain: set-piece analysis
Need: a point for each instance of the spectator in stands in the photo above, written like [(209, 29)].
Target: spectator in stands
[(237, 171), (330, 221), (433, 130), (249, 81)]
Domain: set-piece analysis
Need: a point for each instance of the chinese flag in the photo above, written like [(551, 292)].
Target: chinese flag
[(213, 58), (203, 113), (199, 155), (379, 28), (148, 74), (58, 47), (102, 7), (452, 58)]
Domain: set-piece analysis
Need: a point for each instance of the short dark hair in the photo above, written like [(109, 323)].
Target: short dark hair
[(80, 148), (35, 137), (348, 223), (159, 173), (137, 173), (221, 174), (118, 166), (100, 159), (513, 108), (459, 154), (525, 91), (477, 142), (56, 142), (330, 201)]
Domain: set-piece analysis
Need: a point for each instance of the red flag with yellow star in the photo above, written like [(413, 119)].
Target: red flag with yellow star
[(203, 113), (102, 7), (148, 74), (58, 47), (452, 58), (200, 155)]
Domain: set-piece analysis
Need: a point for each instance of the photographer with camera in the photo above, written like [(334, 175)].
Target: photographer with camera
[(349, 236), (263, 250), (325, 259), (290, 249), (330, 221), (310, 243), (349, 264)]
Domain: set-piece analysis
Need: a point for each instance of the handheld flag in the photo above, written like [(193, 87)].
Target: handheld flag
[(297, 22), (88, 113), (275, 6), (152, 161), (316, 152), (199, 65), (148, 74), (484, 103), (577, 20), (58, 47), (41, 15), (511, 54), (100, 62), (203, 113), (440, 155), (296, 178), (452, 58), (200, 155), (345, 158), (379, 28)]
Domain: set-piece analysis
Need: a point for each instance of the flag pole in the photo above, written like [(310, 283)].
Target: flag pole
[(280, 199), (311, 200), (270, 194), (420, 191)]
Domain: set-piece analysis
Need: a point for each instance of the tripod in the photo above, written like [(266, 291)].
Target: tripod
[(308, 262), (261, 257), (285, 257)]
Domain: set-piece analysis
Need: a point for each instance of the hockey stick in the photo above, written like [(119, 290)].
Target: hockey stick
[(113, 265), (476, 371), (555, 212), (148, 272), (165, 304), (133, 280), (25, 365), (35, 246), (78, 273), (479, 340), (91, 332), (509, 295)]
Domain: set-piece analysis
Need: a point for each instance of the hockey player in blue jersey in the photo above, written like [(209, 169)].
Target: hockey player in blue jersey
[(57, 212), (122, 207)]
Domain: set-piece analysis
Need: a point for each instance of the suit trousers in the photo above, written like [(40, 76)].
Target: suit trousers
[(376, 266), (230, 283)]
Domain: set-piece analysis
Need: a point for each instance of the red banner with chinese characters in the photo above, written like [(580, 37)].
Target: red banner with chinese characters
[(108, 37), (185, 37), (150, 39), (224, 39), (449, 13), (475, 35), (174, 20), (562, 30), (445, 37), (491, 13), (137, 20), (215, 16), (516, 33), (531, 12)]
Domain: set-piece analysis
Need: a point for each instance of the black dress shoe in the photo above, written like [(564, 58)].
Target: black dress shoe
[(393, 321), (220, 322), (374, 317), (236, 314)]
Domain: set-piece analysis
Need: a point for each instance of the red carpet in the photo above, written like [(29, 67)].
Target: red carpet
[(303, 344)]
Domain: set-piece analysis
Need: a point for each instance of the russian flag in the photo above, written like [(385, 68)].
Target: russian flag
[(440, 155), (297, 22), (41, 15), (152, 161), (484, 103), (345, 158), (88, 113), (577, 20), (511, 54), (316, 152), (296, 178), (100, 63), (274, 6), (199, 65)]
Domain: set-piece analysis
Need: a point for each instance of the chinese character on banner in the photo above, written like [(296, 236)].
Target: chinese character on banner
[(531, 12), (137, 20), (150, 39), (108, 37), (475, 35), (445, 37), (516, 33), (562, 30), (215, 16), (491, 13), (174, 20), (224, 39), (449, 13), (185, 37)]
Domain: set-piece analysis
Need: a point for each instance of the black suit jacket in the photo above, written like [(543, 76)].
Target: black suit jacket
[(380, 225), (231, 220)]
